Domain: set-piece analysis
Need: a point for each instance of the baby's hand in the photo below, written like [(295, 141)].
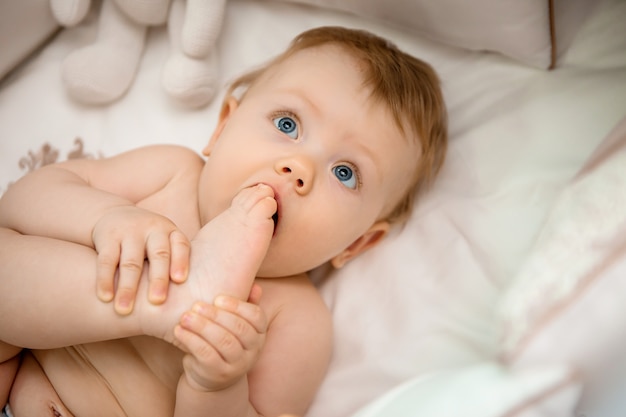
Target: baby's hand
[(125, 237), (223, 341)]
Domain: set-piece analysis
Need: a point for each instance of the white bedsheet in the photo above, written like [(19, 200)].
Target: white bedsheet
[(423, 300)]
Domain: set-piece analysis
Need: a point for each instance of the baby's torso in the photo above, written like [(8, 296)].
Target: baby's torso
[(126, 377), (134, 377)]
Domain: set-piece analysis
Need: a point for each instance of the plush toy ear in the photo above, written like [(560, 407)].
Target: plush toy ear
[(367, 240), (228, 108)]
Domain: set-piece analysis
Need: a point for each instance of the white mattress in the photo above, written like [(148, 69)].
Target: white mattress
[(423, 300)]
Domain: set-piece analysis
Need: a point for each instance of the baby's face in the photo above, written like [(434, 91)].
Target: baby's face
[(335, 158)]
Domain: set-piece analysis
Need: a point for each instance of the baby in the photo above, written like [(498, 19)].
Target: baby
[(313, 158)]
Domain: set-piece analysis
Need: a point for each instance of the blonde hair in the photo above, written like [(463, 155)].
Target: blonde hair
[(409, 87)]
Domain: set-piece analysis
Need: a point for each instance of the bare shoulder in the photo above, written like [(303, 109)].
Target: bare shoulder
[(295, 295), (295, 302), (178, 158), (154, 161), (173, 155), (150, 167)]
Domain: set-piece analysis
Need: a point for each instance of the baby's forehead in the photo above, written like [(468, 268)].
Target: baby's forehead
[(338, 62), (328, 55), (372, 81)]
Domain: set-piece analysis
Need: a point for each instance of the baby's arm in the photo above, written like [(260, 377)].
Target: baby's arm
[(92, 203), (297, 350), (65, 200), (223, 342), (290, 367)]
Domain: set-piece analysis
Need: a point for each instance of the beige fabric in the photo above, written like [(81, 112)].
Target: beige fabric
[(34, 22), (519, 29)]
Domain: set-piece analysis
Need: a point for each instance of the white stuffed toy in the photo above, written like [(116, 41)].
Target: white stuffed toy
[(102, 72)]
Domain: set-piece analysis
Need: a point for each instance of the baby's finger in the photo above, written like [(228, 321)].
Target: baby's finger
[(203, 365), (193, 344), (185, 339), (252, 313), (203, 315), (106, 268), (222, 341), (158, 254), (131, 265), (181, 250)]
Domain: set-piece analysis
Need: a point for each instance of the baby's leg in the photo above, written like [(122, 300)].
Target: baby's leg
[(225, 257), (46, 282), (230, 248), (9, 362)]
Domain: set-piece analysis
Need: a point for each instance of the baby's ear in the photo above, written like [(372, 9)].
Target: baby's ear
[(369, 239), (228, 108)]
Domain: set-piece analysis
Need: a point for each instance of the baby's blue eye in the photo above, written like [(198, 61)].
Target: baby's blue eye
[(345, 175), (287, 125)]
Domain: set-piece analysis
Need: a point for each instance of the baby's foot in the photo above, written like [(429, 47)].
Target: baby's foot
[(225, 256), (228, 251)]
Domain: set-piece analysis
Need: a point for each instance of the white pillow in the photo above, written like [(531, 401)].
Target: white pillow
[(535, 32), (482, 390)]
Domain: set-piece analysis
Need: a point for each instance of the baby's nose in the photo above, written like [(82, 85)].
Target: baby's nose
[(300, 172)]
